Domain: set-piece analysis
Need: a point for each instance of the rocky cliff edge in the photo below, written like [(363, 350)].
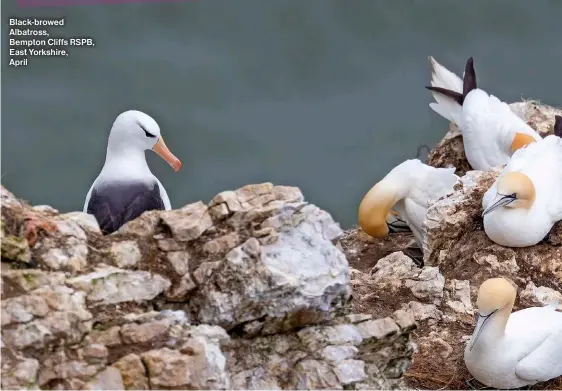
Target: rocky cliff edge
[(249, 291)]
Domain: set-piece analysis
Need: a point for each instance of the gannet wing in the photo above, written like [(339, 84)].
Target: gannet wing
[(444, 78), (489, 128), (445, 106), (542, 162), (508, 123), (433, 183), (545, 362)]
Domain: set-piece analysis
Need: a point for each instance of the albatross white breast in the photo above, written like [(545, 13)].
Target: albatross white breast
[(491, 131), (125, 187)]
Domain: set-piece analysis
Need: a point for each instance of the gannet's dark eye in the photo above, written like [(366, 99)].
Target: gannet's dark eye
[(146, 132)]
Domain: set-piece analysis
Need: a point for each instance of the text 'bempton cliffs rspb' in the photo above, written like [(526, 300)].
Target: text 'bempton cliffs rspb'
[(29, 38)]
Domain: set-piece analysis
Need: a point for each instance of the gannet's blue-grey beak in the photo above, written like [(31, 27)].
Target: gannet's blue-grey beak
[(482, 320), (502, 200)]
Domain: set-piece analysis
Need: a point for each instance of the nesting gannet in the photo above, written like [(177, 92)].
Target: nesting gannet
[(125, 187), (491, 131), (512, 351), (525, 201), (408, 189), (395, 223)]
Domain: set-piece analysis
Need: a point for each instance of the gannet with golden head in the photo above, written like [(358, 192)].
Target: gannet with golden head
[(407, 189), (512, 350), (395, 223), (491, 131), (525, 201), (125, 187)]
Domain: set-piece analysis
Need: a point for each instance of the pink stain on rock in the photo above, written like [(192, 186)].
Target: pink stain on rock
[(55, 3)]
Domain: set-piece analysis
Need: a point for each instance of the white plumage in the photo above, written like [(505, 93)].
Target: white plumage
[(443, 78), (426, 185), (489, 127), (512, 350), (410, 188), (513, 226)]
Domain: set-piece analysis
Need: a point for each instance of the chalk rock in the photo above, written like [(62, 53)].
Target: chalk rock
[(422, 311), (540, 296), (108, 379), (398, 270), (115, 311), (20, 374), (111, 285), (126, 253), (299, 278), (133, 372), (333, 357), (458, 296)]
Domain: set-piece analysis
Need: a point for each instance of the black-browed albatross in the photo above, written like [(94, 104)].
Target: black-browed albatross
[(125, 187)]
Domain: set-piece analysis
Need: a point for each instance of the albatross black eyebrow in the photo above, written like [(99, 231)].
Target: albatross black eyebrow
[(146, 132)]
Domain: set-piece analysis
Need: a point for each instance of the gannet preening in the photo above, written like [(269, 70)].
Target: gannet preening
[(525, 201), (491, 131), (125, 187), (395, 223), (408, 189), (511, 351)]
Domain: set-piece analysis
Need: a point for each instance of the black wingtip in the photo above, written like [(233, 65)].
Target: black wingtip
[(558, 126), (469, 82), (456, 96)]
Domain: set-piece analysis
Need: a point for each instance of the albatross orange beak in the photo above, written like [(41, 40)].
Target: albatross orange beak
[(162, 150)]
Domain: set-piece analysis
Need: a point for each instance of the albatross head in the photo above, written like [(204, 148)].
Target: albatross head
[(515, 190), (495, 299), (135, 129)]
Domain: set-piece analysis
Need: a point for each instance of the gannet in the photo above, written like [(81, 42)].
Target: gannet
[(408, 189), (125, 187), (491, 131), (395, 223), (525, 201), (513, 351)]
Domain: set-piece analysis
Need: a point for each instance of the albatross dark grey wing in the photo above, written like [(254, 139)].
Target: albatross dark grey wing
[(115, 204)]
